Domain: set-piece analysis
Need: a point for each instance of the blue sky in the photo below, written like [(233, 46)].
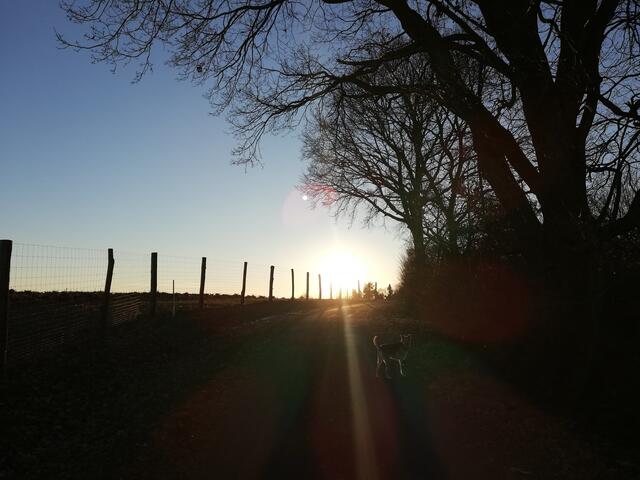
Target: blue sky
[(89, 159)]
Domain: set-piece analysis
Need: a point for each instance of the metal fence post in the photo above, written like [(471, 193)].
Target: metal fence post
[(319, 287), (307, 286)]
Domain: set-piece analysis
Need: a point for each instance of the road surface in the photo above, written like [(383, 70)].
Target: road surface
[(280, 390), (298, 398)]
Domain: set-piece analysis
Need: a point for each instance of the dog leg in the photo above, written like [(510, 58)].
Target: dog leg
[(386, 370), (401, 369)]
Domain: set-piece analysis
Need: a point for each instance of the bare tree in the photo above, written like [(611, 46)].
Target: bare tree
[(563, 72), (401, 156), (567, 67)]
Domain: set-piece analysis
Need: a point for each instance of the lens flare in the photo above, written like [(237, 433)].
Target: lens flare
[(343, 269)]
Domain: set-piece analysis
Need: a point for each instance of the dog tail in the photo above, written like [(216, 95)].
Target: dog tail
[(375, 341)]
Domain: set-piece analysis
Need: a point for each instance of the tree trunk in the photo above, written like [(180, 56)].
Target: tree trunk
[(420, 260), (572, 292)]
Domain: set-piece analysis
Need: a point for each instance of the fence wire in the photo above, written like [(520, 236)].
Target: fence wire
[(129, 287), (54, 297), (57, 294)]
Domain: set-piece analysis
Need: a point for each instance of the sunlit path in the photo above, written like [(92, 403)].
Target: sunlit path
[(365, 453), (294, 395)]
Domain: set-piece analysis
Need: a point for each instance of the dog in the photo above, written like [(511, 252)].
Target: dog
[(396, 351)]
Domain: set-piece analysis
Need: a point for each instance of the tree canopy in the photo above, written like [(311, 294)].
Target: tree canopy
[(564, 72), (401, 156)]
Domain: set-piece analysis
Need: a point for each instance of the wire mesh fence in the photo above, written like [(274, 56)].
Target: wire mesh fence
[(56, 295), (54, 298), (129, 287)]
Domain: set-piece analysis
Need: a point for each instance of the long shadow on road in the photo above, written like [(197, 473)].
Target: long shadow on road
[(302, 401), (234, 394)]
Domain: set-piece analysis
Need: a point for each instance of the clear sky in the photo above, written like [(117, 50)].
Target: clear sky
[(88, 159)]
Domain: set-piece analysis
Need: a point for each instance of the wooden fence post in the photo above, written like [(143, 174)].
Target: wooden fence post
[(271, 283), (358, 287), (173, 299), (154, 282), (244, 283), (5, 269), (319, 287), (307, 286), (331, 290), (293, 285), (104, 318), (203, 269)]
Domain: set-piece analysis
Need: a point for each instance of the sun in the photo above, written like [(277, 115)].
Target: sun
[(342, 269)]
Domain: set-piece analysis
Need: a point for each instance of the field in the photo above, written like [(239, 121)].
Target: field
[(283, 390), (41, 324)]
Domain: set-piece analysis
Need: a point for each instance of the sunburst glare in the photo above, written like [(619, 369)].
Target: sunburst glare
[(343, 269)]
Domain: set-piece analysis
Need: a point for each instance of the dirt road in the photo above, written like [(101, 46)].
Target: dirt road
[(300, 399), (288, 395)]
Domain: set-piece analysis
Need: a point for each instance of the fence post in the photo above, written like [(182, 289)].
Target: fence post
[(330, 290), (271, 283), (173, 299), (293, 285), (104, 318), (307, 285), (203, 269), (319, 287), (244, 283), (154, 281), (5, 268), (358, 287)]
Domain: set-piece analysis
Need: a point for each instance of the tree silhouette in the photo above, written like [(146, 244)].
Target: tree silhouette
[(401, 156), (565, 69), (368, 291), (553, 123)]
